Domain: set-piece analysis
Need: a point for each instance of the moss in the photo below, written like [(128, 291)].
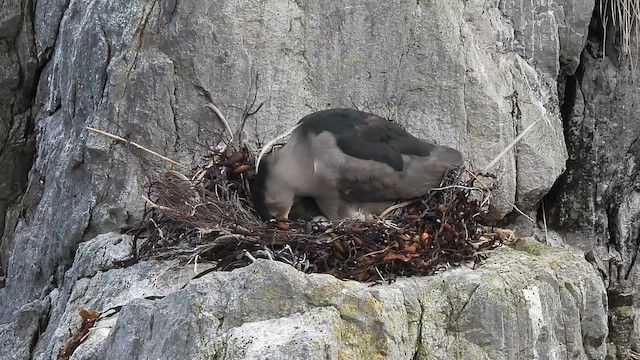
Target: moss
[(285, 305), (533, 247), (196, 308), (355, 306), (357, 343), (547, 256), (257, 273), (359, 338), (626, 311)]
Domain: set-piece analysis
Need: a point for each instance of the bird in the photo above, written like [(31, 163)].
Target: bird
[(354, 164)]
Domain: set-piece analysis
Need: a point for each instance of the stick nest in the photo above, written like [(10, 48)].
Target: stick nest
[(209, 216)]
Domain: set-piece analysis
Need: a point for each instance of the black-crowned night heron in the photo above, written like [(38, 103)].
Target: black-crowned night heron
[(352, 163)]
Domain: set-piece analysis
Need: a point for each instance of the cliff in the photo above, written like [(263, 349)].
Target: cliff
[(471, 74)]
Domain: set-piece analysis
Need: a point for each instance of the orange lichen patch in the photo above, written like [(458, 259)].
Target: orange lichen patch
[(89, 318)]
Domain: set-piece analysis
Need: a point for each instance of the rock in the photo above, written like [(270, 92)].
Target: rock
[(18, 68), (532, 302), (623, 336), (596, 203), (144, 71), (551, 34), (463, 73), (96, 283), (18, 337)]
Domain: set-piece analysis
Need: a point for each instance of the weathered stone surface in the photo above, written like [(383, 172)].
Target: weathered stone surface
[(145, 70), (471, 74), (10, 18), (18, 68), (624, 319), (549, 34), (18, 338), (533, 302), (94, 283), (596, 202)]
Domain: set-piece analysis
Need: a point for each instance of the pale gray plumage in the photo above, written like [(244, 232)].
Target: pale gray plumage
[(352, 163)]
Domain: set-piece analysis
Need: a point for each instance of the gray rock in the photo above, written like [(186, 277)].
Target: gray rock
[(18, 337), (596, 204), (549, 34), (469, 74), (533, 302), (95, 283), (18, 68), (10, 18), (145, 71)]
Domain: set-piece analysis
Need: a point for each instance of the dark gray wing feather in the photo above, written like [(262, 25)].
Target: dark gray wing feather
[(414, 165), (383, 162), (383, 141)]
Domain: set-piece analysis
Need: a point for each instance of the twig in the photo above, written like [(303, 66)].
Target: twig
[(397, 206), (485, 198), (222, 238), (477, 179), (195, 263), (268, 252), (246, 111), (177, 175), (154, 205), (379, 273), (511, 145), (248, 254), (522, 213), (119, 138), (544, 221), (457, 187), (215, 109), (378, 251), (160, 232)]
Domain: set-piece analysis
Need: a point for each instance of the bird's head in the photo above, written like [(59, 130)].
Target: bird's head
[(272, 196)]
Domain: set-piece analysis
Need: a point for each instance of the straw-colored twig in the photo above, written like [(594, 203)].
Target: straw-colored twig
[(486, 196), (222, 119), (119, 138), (521, 212), (265, 149), (154, 205), (476, 178), (544, 220), (397, 206), (511, 145)]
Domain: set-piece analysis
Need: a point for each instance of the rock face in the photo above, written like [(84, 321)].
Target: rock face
[(533, 302), (471, 74), (596, 203), (19, 69)]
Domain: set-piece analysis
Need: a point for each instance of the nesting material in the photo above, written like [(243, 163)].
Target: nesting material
[(208, 216)]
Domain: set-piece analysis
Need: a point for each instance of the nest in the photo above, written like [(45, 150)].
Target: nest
[(209, 216)]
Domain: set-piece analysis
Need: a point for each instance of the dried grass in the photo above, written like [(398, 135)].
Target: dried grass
[(624, 15)]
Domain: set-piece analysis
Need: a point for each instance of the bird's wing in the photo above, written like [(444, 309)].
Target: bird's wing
[(358, 181), (379, 161)]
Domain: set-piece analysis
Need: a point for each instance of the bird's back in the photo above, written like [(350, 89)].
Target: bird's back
[(350, 156)]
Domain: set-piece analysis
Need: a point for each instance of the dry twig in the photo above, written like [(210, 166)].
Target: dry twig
[(119, 138)]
